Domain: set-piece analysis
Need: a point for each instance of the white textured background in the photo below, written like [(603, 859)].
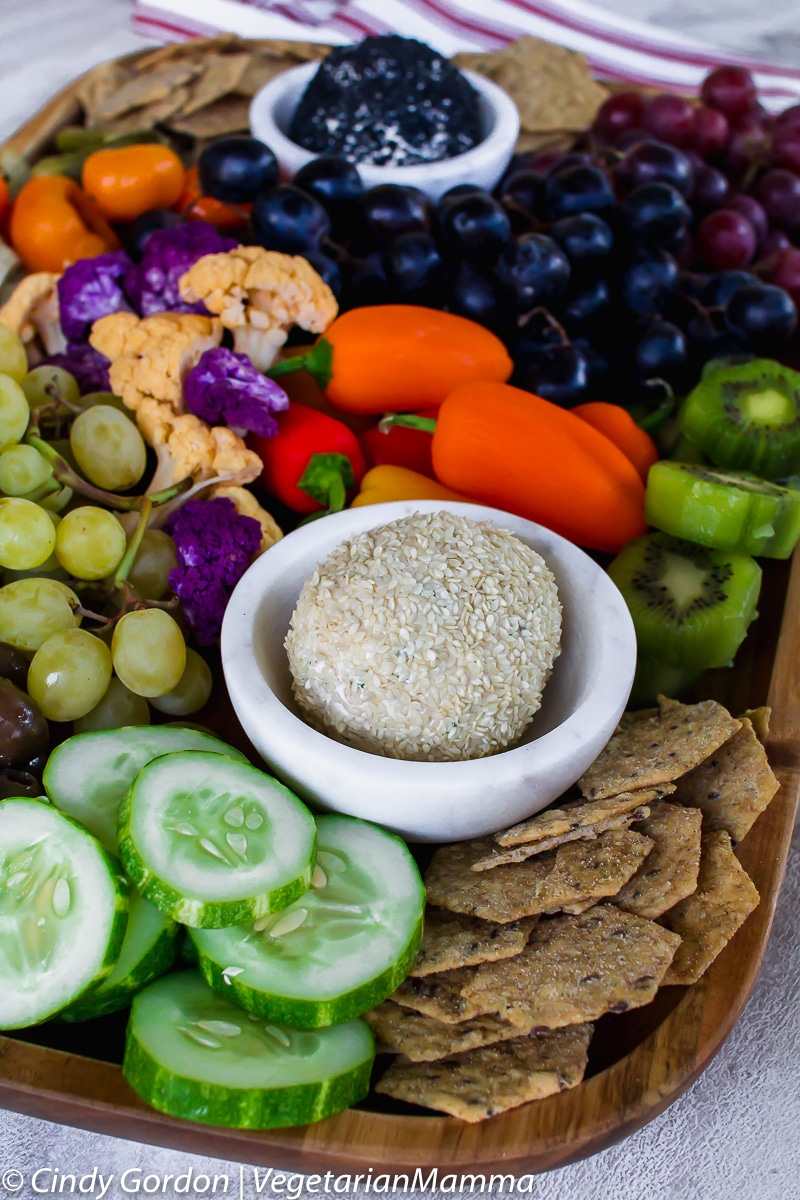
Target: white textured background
[(736, 1134)]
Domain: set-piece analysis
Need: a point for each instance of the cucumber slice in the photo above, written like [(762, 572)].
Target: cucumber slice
[(63, 911), (148, 950), (191, 1053), (340, 949), (88, 775), (725, 510), (212, 841)]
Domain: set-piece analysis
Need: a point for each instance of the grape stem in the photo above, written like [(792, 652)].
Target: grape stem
[(64, 473), (129, 557)]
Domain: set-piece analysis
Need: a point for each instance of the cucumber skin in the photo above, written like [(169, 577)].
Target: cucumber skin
[(118, 927), (298, 1013), (197, 914), (211, 1104), (99, 1002)]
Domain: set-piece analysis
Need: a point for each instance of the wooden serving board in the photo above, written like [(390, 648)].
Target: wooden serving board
[(639, 1061)]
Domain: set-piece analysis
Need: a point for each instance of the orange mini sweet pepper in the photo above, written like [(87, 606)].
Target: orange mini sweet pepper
[(403, 357), (620, 428), (53, 223), (129, 180)]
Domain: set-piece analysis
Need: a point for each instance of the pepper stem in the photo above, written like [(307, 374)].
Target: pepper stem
[(408, 421), (318, 362), (326, 479)]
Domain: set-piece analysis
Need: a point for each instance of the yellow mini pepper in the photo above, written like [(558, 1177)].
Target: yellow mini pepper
[(386, 483)]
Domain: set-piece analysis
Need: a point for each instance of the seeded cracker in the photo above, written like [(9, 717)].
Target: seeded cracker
[(658, 749), (221, 74), (454, 940), (569, 874), (485, 1082), (732, 787), (439, 996), (141, 120), (571, 822), (707, 920), (423, 1039), (576, 968), (669, 873), (759, 718), (145, 87), (231, 114)]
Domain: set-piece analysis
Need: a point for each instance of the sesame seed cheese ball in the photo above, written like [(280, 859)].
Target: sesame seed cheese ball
[(430, 638)]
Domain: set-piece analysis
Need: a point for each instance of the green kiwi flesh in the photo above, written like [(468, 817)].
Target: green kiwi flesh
[(725, 510), (747, 417), (654, 678), (691, 606)]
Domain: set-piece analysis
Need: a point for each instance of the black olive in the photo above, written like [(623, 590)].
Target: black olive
[(23, 730), (18, 783), (13, 665)]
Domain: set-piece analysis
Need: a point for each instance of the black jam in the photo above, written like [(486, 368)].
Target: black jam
[(388, 101)]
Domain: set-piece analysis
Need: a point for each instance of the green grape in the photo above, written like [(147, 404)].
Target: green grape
[(14, 411), (44, 384), (27, 536), (154, 561), (149, 652), (118, 707), (69, 674), (90, 542), (108, 448), (193, 690), (13, 359), (107, 398), (22, 470), (32, 610)]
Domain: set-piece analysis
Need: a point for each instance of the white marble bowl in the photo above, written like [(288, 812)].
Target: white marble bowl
[(272, 109), (430, 802)]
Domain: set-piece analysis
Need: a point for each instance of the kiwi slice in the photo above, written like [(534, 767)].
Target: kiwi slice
[(684, 450), (654, 678), (726, 510), (747, 417), (690, 606)]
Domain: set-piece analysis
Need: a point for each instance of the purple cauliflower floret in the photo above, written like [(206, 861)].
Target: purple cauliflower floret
[(152, 284), (226, 389), (89, 289), (215, 546), (89, 367)]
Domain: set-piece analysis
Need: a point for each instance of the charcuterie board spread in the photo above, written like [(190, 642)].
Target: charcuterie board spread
[(557, 337)]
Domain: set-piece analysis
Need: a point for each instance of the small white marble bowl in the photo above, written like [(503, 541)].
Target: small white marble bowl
[(271, 114), (430, 802)]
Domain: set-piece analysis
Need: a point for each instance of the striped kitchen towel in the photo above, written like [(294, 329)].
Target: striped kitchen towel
[(617, 47)]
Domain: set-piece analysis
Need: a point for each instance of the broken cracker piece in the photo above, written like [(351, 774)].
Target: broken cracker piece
[(759, 718), (658, 748), (485, 1082), (707, 920), (221, 75), (456, 940), (424, 1039), (669, 873), (569, 874), (231, 114), (439, 996), (733, 786), (143, 89), (576, 968)]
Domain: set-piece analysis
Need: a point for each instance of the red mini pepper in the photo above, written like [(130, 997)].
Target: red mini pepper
[(399, 447), (312, 462)]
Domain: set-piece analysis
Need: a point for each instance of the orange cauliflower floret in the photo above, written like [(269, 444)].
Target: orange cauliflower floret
[(259, 295), (32, 309), (248, 506), (151, 357)]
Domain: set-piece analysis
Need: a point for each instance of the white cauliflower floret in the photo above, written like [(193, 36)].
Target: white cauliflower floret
[(259, 295), (32, 311)]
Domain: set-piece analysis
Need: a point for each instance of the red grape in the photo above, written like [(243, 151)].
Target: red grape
[(775, 242), (710, 131), (726, 241), (786, 148), (619, 113), (750, 208), (789, 118), (670, 118), (778, 191), (711, 188), (786, 272), (731, 90), (747, 145)]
